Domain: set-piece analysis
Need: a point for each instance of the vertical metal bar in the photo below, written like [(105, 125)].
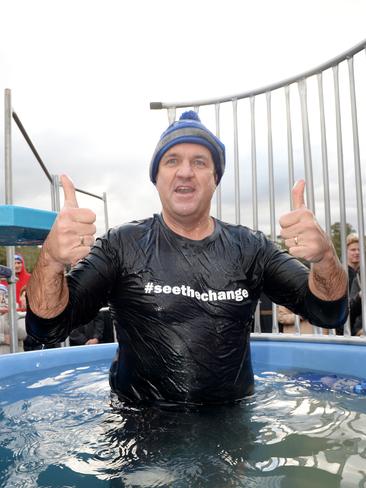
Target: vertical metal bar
[(8, 148), (236, 163), (56, 207), (10, 250), (257, 315), (306, 146), (270, 168), (106, 220), (272, 209), (307, 155), (12, 304), (55, 193), (323, 134), (171, 114), (342, 199), (290, 151), (257, 318), (291, 171), (218, 189), (358, 178), (254, 164)]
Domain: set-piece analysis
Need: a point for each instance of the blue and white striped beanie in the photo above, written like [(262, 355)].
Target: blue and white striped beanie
[(189, 128)]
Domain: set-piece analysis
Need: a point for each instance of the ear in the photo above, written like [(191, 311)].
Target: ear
[(216, 177)]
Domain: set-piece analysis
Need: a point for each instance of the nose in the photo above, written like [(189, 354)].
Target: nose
[(185, 169)]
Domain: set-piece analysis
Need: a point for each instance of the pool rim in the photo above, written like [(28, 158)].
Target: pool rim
[(313, 353)]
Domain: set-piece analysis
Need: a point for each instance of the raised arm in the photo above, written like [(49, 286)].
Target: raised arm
[(69, 240), (305, 239)]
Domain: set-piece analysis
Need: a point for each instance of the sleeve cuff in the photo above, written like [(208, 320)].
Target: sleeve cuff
[(323, 313)]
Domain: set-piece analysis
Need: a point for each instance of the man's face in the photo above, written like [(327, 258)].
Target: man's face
[(353, 255), (186, 181), (18, 265)]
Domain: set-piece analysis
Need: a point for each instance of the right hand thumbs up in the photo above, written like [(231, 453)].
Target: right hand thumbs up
[(72, 234)]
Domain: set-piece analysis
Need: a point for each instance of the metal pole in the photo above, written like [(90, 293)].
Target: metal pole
[(236, 163), (257, 315), (291, 171), (272, 210), (324, 156), (254, 164), (290, 151), (171, 114), (218, 189), (55, 193), (358, 178), (106, 221), (268, 88), (10, 250), (56, 206), (306, 146), (342, 199), (270, 168)]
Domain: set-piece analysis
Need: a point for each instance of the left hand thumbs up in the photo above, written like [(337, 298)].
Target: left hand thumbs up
[(300, 230)]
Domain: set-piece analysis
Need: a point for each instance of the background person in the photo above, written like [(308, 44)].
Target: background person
[(22, 278), (355, 306), (97, 331), (353, 257), (182, 286), (5, 326)]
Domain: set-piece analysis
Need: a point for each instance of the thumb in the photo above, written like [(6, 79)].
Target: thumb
[(69, 192), (297, 194)]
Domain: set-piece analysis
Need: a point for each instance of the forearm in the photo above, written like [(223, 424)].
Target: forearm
[(47, 290), (327, 279)]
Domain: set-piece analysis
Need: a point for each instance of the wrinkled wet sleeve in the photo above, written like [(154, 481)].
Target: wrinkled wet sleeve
[(286, 283), (90, 283)]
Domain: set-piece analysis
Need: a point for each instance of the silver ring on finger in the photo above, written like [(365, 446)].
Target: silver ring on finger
[(296, 241)]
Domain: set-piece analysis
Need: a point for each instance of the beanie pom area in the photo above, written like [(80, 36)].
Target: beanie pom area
[(190, 115)]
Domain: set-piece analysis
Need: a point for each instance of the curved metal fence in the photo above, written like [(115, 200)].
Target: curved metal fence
[(307, 126)]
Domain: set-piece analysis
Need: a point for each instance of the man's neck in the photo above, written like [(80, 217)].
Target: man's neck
[(195, 230)]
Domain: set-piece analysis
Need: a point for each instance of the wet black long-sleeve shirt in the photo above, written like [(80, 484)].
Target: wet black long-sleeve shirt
[(184, 309)]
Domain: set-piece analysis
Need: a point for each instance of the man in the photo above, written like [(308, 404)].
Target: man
[(353, 257), (182, 286), (22, 277), (354, 285)]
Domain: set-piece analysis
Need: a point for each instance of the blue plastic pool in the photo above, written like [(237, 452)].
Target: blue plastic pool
[(60, 427)]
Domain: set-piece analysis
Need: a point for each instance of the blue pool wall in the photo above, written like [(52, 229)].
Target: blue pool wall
[(342, 359)]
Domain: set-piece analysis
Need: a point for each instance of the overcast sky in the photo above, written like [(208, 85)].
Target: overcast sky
[(82, 75)]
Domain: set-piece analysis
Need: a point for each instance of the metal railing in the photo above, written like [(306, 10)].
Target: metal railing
[(309, 117), (9, 115)]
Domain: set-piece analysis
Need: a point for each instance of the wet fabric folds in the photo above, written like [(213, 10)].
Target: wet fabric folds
[(183, 309)]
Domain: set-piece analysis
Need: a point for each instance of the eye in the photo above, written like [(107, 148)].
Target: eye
[(171, 162), (199, 163)]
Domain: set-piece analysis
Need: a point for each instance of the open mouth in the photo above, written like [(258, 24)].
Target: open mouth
[(184, 190)]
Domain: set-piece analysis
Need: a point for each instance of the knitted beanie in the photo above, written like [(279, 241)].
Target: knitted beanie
[(189, 128)]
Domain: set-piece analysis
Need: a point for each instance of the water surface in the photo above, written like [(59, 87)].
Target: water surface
[(61, 428)]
